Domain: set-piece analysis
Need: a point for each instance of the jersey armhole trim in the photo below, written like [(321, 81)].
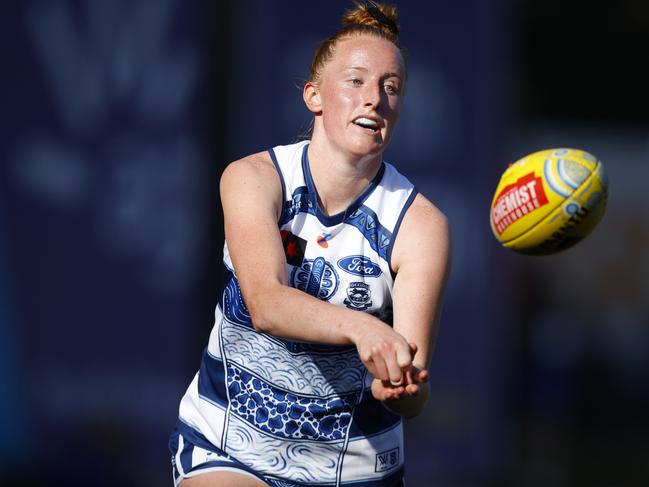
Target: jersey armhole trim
[(395, 232), (281, 180)]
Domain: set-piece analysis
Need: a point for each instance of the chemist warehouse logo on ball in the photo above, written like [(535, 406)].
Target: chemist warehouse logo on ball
[(517, 200)]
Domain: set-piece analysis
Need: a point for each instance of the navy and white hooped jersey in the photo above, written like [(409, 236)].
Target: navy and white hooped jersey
[(297, 412)]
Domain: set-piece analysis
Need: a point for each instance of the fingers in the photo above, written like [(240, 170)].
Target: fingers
[(404, 356), (380, 370), (384, 391), (386, 354), (388, 392), (385, 360), (422, 376)]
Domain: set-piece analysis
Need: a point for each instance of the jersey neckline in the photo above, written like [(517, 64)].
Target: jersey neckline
[(330, 220)]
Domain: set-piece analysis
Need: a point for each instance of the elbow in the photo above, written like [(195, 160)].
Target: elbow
[(261, 314), (260, 322), (264, 304)]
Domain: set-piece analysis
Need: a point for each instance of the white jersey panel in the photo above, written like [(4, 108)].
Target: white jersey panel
[(303, 412)]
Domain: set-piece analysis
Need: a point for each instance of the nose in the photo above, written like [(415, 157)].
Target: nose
[(372, 95)]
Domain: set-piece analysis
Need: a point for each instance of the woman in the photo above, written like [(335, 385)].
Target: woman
[(326, 327)]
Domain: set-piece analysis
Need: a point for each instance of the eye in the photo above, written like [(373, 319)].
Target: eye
[(391, 88), (356, 81)]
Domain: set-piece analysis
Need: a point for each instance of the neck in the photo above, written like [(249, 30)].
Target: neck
[(338, 177)]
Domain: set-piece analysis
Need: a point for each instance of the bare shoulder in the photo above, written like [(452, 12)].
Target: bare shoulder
[(423, 212), (251, 182), (254, 172), (424, 231), (258, 165)]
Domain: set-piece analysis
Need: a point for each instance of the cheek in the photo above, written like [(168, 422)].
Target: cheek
[(338, 104), (395, 109), (344, 99)]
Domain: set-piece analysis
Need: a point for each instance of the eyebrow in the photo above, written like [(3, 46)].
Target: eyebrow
[(389, 74)]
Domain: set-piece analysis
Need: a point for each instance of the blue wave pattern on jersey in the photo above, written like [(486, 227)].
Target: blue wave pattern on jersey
[(286, 414), (232, 304), (337, 371), (379, 237), (316, 277)]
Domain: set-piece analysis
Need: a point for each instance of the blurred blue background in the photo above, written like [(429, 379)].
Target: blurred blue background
[(117, 119)]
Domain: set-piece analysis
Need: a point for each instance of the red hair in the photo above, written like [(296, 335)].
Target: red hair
[(369, 18)]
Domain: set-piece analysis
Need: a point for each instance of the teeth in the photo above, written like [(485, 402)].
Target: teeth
[(366, 122)]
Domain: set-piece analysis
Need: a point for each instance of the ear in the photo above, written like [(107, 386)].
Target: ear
[(311, 96)]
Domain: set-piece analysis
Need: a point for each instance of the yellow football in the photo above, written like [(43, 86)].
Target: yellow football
[(548, 201)]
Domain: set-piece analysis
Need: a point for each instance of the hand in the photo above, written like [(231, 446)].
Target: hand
[(385, 353), (410, 386)]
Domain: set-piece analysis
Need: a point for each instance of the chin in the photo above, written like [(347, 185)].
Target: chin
[(366, 148)]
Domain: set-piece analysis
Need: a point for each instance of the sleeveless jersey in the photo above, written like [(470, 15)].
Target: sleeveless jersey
[(302, 413)]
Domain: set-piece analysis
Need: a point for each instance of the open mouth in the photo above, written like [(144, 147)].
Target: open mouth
[(367, 123)]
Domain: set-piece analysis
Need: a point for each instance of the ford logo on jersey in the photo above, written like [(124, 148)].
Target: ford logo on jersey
[(359, 266)]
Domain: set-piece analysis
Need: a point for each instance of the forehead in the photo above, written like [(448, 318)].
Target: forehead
[(368, 52)]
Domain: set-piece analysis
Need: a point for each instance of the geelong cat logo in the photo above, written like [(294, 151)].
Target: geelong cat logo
[(359, 265), (359, 296)]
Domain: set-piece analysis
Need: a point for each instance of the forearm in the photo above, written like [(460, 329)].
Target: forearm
[(286, 312)]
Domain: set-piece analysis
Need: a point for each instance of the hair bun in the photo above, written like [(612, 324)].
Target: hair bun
[(375, 15)]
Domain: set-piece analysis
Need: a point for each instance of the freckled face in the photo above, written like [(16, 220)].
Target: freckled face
[(361, 90)]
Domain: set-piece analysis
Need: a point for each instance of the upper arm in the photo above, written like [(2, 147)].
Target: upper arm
[(421, 260), (251, 196)]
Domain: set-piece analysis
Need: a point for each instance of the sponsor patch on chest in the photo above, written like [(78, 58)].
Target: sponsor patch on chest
[(359, 265)]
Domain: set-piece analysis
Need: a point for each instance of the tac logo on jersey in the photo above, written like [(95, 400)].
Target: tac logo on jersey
[(316, 277), (359, 296), (322, 240), (359, 265)]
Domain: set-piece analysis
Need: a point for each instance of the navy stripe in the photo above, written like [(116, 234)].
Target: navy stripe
[(371, 418), (367, 222), (186, 457), (300, 203), (273, 156), (173, 443), (395, 231), (195, 437), (211, 380)]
